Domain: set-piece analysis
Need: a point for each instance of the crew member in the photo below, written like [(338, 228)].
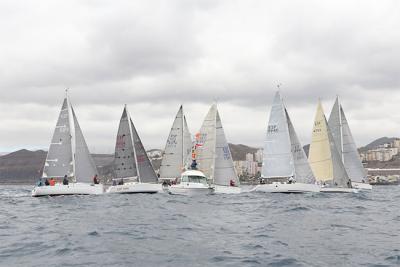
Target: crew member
[(95, 180)]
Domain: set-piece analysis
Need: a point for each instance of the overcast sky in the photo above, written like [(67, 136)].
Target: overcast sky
[(156, 55)]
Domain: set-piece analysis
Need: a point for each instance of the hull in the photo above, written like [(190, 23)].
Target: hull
[(70, 189), (287, 188), (220, 189), (338, 190), (361, 186), (190, 189), (135, 188)]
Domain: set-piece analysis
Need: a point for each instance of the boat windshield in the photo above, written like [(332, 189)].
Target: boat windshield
[(194, 179)]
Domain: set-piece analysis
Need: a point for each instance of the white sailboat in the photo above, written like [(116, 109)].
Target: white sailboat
[(177, 149), (132, 167), (68, 158), (213, 155), (325, 159), (285, 166), (347, 148)]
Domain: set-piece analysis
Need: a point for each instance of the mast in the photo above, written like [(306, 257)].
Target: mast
[(133, 143), (340, 130), (72, 132), (183, 138), (215, 142)]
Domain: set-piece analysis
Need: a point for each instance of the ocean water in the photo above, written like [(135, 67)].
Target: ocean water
[(250, 229)]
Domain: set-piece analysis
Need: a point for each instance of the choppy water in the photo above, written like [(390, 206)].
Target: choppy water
[(252, 229)]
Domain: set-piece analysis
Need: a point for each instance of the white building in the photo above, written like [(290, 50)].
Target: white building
[(258, 156)]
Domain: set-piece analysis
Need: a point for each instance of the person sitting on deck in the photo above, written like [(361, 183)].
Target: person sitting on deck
[(46, 182), (95, 180), (232, 182), (65, 180), (121, 182), (291, 180), (52, 182)]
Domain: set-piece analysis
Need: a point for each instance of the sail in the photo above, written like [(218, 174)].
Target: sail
[(345, 143), (224, 171), (175, 151), (277, 156), (187, 142), (303, 172), (124, 157), (206, 144), (145, 170), (351, 158), (85, 168), (59, 158), (324, 158)]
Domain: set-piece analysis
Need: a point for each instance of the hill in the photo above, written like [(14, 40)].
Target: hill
[(378, 142), (21, 166), (239, 151)]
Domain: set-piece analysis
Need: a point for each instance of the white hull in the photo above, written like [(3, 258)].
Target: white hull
[(287, 188), (338, 190), (70, 189), (190, 189), (135, 188), (220, 189), (361, 186)]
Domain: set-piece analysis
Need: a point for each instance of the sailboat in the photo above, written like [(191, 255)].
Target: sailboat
[(133, 170), (285, 167), (324, 158), (177, 149), (69, 159), (347, 148), (213, 155)]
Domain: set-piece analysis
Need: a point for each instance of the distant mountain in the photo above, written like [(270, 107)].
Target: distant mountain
[(378, 142), (21, 166), (25, 166), (239, 151)]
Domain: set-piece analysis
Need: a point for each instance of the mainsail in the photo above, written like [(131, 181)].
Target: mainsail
[(277, 156), (284, 156), (324, 158), (131, 159), (68, 153), (124, 158), (177, 148), (213, 155), (345, 143)]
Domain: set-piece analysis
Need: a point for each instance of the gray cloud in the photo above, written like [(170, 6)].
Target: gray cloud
[(156, 55)]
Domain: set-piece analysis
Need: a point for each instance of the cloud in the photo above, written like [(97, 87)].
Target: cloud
[(155, 55)]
